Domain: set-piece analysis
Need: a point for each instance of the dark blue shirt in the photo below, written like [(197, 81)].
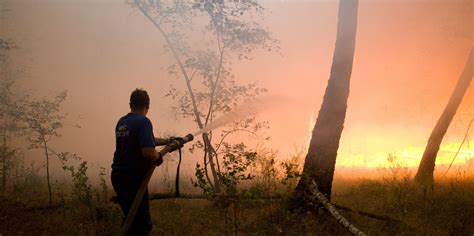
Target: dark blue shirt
[(132, 133)]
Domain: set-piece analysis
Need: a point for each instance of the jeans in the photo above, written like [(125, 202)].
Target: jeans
[(126, 184)]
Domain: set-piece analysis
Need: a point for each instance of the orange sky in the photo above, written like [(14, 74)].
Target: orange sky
[(408, 57)]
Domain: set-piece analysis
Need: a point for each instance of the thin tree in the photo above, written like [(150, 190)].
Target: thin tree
[(424, 175), (228, 30), (321, 158), (43, 119)]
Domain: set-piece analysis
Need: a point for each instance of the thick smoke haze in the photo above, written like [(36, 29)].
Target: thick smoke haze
[(409, 55)]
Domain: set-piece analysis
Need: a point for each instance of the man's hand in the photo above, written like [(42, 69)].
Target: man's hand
[(172, 139), (176, 144), (152, 155), (158, 160)]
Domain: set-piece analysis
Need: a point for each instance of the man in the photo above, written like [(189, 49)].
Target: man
[(134, 154)]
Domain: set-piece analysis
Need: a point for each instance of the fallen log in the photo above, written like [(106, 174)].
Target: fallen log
[(334, 212)]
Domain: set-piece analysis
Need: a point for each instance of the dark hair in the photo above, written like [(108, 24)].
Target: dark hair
[(139, 99)]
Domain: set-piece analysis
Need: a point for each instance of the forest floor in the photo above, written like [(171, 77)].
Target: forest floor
[(448, 209)]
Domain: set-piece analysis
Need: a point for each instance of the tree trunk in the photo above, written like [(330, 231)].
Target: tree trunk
[(210, 154), (321, 158), (47, 171), (425, 171)]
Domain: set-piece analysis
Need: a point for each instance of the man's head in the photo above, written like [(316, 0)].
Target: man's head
[(139, 101)]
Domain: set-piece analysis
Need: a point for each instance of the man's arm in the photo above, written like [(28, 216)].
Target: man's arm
[(152, 155), (162, 141), (147, 143)]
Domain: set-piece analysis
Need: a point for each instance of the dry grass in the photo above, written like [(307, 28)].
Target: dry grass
[(448, 209)]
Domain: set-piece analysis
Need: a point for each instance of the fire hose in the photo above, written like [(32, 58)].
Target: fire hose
[(176, 144)]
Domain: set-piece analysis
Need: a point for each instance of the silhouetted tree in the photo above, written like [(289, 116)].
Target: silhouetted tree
[(424, 175), (321, 158)]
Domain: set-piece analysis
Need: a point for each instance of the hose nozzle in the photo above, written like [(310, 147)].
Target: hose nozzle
[(177, 143), (188, 138)]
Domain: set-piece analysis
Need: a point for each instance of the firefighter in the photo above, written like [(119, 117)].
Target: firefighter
[(134, 154)]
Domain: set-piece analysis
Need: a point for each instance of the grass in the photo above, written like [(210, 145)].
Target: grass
[(200, 217), (18, 218), (448, 209)]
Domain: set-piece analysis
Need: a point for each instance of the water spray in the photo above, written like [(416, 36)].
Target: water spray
[(248, 108)]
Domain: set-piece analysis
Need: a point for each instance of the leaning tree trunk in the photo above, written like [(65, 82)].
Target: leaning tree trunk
[(321, 158), (425, 171)]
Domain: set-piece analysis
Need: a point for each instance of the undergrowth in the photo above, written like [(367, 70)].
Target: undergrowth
[(253, 206)]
